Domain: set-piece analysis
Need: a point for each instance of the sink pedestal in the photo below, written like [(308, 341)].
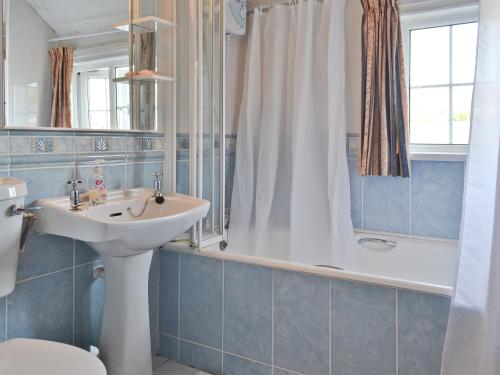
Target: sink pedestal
[(125, 336)]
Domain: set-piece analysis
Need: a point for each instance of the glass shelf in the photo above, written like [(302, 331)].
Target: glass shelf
[(143, 78), (146, 24)]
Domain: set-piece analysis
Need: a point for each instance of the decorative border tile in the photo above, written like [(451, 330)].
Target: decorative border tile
[(147, 144), (100, 144), (43, 144)]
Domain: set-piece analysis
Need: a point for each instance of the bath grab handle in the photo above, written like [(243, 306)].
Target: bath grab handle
[(379, 241)]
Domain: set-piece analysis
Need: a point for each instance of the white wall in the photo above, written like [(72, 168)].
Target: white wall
[(236, 50), (28, 86)]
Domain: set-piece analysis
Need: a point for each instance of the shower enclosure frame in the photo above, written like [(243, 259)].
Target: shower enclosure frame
[(198, 122)]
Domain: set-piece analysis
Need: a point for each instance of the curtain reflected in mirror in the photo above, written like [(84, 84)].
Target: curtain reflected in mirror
[(61, 61)]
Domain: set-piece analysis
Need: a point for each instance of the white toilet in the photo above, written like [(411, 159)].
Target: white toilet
[(27, 356)]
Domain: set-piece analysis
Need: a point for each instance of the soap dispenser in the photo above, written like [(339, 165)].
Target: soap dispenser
[(97, 184)]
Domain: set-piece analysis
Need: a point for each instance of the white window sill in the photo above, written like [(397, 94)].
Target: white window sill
[(438, 152)]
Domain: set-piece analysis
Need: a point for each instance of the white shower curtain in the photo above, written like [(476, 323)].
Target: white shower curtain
[(472, 345), (291, 187)]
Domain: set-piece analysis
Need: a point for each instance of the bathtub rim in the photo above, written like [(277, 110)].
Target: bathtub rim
[(215, 253)]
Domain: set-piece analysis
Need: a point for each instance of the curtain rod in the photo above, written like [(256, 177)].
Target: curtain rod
[(270, 4)]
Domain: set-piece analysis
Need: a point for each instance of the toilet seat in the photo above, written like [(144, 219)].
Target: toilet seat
[(37, 357)]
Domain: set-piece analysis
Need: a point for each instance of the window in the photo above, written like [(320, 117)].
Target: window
[(98, 114), (440, 54), (103, 104)]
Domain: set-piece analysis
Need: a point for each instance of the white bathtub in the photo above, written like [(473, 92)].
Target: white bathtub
[(415, 263)]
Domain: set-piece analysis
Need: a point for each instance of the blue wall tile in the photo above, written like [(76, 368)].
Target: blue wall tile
[(356, 194), (248, 311), (301, 326), (169, 347), (279, 371), (89, 304), (182, 177), (2, 319), (201, 300), (45, 182), (363, 329), (239, 366), (84, 253), (201, 357), (422, 327), (44, 253), (43, 308), (437, 194), (114, 175), (386, 204), (169, 293), (153, 290), (141, 174)]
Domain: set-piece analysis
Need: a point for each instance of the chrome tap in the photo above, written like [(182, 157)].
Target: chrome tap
[(74, 195), (159, 198)]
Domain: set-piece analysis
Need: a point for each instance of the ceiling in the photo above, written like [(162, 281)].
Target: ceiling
[(71, 17)]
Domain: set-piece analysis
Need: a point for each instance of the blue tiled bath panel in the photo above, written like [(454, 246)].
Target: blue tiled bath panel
[(248, 311), (301, 322), (422, 326), (201, 300), (363, 329), (311, 323)]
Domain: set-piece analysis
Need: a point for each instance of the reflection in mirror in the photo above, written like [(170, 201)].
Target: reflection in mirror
[(61, 59)]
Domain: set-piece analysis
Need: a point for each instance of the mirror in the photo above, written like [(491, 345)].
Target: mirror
[(62, 57)]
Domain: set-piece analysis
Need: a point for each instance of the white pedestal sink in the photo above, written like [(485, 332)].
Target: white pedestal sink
[(126, 244)]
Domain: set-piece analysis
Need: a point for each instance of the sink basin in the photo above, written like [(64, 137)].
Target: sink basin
[(124, 231), (110, 228)]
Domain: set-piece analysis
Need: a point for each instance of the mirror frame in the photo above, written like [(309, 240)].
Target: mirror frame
[(3, 121)]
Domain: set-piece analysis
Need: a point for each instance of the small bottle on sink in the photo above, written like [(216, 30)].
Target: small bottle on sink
[(97, 185)]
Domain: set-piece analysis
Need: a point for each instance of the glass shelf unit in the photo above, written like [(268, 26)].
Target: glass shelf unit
[(153, 78), (146, 24)]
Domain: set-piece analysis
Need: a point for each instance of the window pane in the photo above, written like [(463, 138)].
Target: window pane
[(430, 56), (462, 103), (98, 94), (122, 102), (120, 72), (123, 118), (99, 119), (464, 52), (429, 115), (122, 95)]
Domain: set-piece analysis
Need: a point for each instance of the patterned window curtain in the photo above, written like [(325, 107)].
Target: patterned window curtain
[(384, 128), (62, 74)]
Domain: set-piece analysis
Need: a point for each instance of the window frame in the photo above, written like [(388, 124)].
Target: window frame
[(86, 69), (430, 19)]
